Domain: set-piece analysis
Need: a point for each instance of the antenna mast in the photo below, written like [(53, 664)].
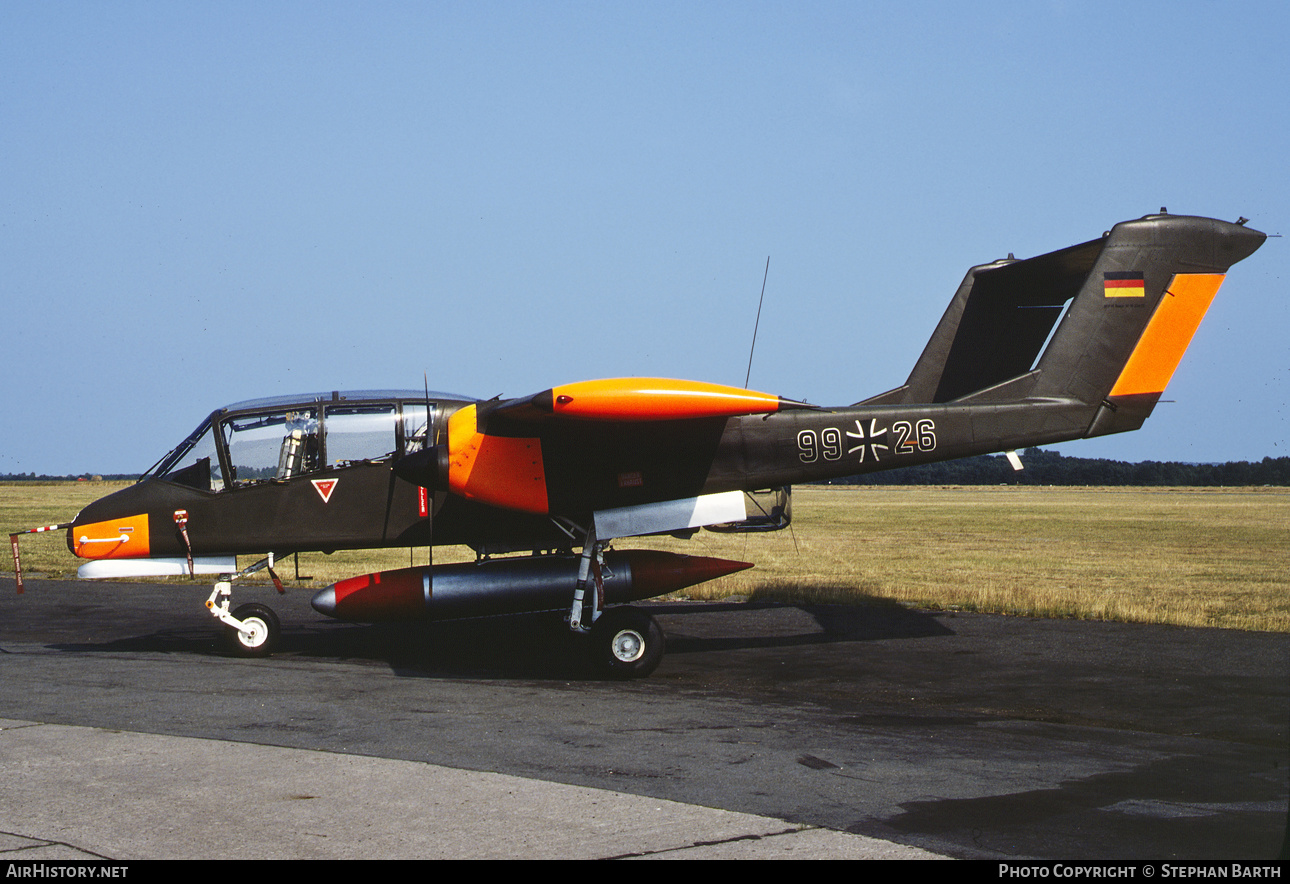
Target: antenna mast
[(758, 322)]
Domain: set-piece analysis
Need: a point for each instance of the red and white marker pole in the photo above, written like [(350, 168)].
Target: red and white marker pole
[(13, 542)]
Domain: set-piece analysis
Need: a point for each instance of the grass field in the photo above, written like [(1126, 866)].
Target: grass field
[(1186, 556)]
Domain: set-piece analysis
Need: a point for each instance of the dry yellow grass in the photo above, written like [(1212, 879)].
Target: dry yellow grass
[(1187, 556), (1194, 557)]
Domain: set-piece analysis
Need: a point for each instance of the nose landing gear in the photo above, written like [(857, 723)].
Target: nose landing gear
[(253, 629)]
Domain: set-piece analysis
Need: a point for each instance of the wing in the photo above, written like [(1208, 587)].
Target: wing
[(539, 454)]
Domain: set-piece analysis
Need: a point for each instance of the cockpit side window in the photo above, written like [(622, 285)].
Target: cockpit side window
[(415, 426), (272, 445), (360, 432)]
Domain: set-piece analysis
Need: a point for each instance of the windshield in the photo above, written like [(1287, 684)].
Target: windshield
[(195, 455)]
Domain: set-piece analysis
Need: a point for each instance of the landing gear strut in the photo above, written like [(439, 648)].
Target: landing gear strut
[(252, 629), (625, 642)]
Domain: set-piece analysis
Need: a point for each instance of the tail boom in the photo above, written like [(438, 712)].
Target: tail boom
[(1077, 343)]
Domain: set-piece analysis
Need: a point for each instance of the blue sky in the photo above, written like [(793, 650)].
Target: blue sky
[(208, 202)]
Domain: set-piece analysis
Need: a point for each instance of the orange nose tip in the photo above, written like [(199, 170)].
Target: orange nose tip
[(125, 538)]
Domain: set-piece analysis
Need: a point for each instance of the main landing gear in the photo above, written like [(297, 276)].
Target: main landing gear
[(625, 641)]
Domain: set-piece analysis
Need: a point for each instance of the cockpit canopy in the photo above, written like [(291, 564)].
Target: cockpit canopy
[(273, 440)]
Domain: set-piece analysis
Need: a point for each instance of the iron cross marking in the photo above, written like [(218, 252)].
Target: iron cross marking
[(869, 441)]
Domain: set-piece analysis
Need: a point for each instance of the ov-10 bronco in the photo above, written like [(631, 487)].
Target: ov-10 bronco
[(1076, 343)]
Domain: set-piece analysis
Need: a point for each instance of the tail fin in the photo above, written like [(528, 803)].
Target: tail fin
[(1132, 301)]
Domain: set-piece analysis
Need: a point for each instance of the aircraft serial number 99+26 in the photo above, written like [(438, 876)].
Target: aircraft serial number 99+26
[(872, 441)]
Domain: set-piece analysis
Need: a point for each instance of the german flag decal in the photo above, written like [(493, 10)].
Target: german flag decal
[(1124, 284)]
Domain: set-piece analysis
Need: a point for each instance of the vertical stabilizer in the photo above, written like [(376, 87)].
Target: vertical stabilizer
[(1103, 323), (1131, 322)]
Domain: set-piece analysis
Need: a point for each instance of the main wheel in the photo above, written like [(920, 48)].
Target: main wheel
[(626, 643), (264, 627)]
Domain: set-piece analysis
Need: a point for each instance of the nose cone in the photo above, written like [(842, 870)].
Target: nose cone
[(372, 598), (117, 525), (324, 601), (127, 537)]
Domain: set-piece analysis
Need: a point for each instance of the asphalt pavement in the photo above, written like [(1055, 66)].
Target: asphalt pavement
[(799, 731)]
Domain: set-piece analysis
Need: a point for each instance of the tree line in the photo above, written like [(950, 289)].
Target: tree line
[(1041, 468), (1051, 468), (81, 477)]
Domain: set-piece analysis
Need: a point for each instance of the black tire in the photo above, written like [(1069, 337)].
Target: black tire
[(626, 643), (264, 637)]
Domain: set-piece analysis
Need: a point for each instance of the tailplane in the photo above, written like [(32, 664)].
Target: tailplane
[(1103, 323)]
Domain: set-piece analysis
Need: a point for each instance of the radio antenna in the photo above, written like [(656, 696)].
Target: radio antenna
[(758, 322)]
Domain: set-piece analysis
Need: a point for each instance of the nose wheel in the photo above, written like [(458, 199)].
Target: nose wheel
[(626, 643), (259, 631), (251, 630)]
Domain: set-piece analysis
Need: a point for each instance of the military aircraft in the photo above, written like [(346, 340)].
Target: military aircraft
[(1072, 344)]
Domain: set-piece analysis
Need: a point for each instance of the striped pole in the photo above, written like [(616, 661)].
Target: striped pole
[(13, 542)]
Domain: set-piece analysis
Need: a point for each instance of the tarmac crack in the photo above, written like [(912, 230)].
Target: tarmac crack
[(734, 839), (41, 843)]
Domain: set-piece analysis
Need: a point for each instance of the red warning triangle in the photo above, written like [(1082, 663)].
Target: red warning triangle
[(324, 487)]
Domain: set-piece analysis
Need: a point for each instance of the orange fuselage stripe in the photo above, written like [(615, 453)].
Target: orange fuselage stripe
[(1167, 335)]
